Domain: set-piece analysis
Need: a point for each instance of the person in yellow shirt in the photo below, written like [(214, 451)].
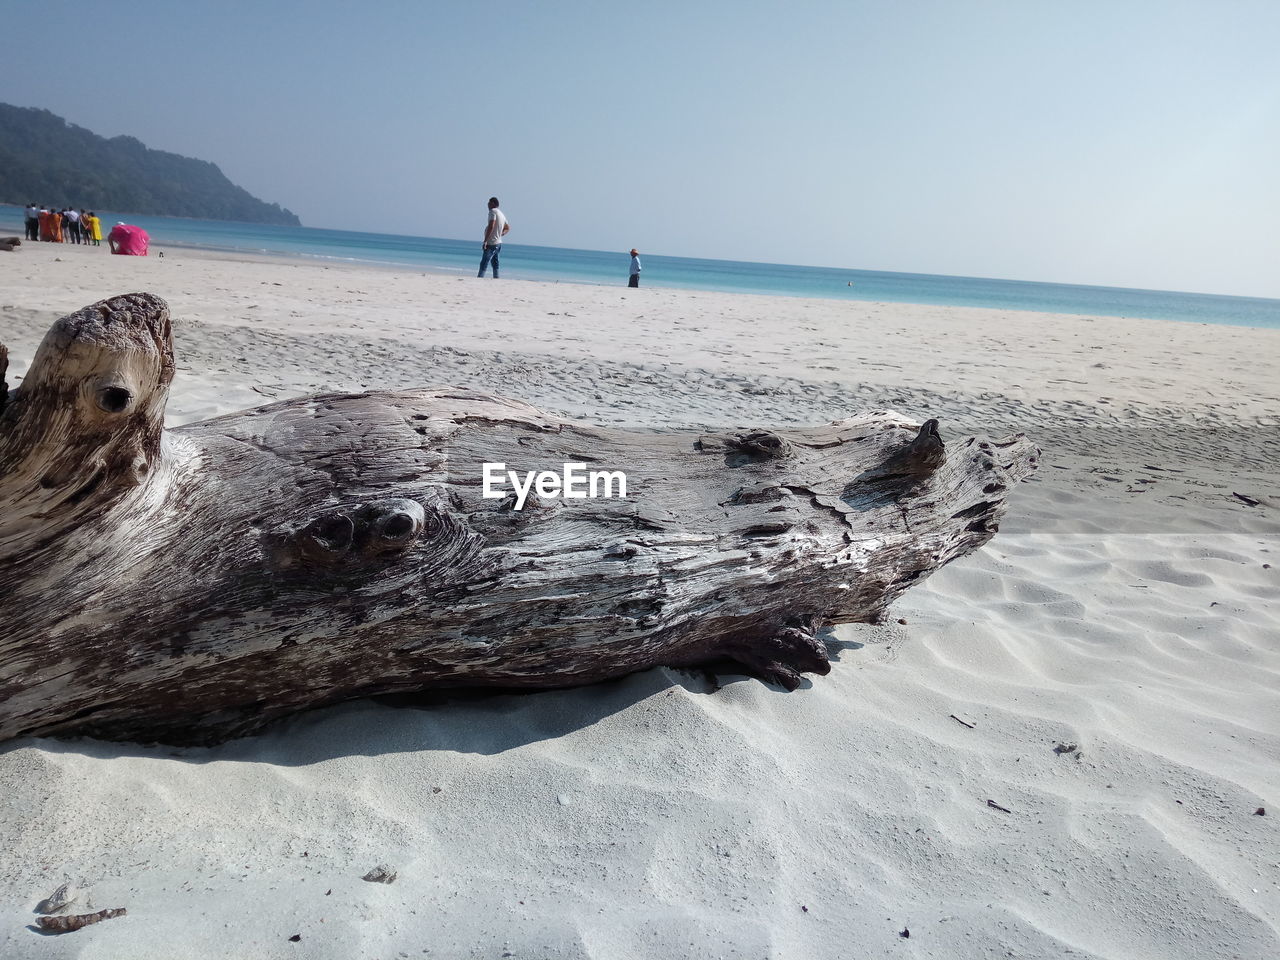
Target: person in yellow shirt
[(95, 228)]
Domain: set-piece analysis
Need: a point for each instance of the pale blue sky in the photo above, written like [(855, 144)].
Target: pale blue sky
[(1125, 142)]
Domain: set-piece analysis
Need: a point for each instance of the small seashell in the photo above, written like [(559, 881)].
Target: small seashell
[(64, 895)]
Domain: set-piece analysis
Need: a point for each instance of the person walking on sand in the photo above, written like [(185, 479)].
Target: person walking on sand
[(494, 231), (32, 221), (634, 279)]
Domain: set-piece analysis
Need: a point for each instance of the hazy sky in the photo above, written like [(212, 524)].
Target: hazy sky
[(1125, 142)]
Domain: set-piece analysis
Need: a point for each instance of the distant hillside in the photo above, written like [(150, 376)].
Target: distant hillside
[(44, 159)]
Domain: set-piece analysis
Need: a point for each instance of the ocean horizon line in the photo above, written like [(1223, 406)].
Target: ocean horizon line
[(606, 268)]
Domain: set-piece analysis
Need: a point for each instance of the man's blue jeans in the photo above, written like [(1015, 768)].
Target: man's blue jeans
[(491, 251)]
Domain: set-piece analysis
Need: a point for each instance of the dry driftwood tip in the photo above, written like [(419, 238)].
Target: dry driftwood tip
[(194, 584), (73, 922)]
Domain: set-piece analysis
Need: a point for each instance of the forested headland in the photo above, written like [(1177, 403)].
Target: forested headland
[(46, 160)]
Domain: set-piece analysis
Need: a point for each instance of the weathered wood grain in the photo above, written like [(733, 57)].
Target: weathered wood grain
[(193, 584)]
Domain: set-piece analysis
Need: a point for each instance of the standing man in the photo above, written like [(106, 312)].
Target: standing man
[(71, 221), (634, 279), (494, 231), (32, 216)]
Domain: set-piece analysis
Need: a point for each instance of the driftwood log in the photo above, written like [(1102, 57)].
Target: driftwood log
[(190, 585)]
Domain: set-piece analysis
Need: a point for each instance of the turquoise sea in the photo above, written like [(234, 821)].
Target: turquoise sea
[(605, 267)]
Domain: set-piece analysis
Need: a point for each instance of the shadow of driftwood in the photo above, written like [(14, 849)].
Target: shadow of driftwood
[(481, 722)]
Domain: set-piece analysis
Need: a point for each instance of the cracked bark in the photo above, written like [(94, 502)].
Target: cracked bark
[(193, 584)]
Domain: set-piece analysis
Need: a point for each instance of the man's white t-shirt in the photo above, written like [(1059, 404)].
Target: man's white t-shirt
[(499, 222)]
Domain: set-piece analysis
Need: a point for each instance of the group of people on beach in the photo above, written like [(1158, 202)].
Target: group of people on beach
[(62, 226), (497, 227)]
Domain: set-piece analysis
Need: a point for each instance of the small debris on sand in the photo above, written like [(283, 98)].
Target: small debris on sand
[(381, 874)]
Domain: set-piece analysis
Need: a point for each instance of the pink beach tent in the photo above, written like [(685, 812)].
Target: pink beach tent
[(128, 240)]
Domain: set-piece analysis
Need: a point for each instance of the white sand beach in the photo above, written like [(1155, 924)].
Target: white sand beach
[(1056, 747)]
